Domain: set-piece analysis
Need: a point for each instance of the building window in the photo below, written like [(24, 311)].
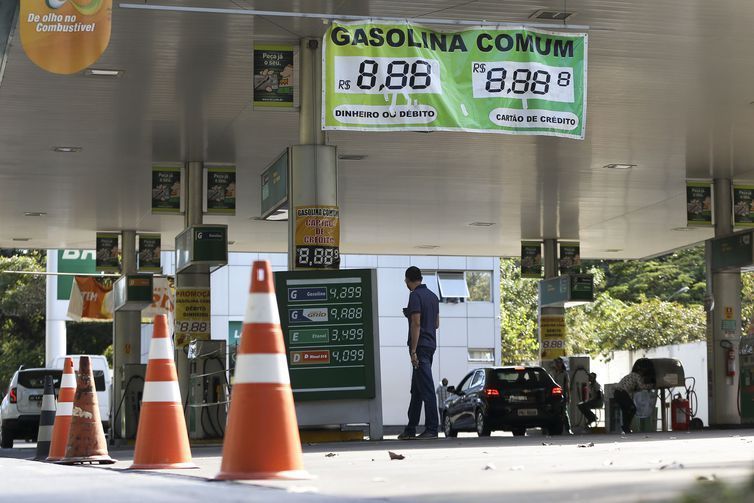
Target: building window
[(430, 279), (479, 285), (453, 285), (484, 355)]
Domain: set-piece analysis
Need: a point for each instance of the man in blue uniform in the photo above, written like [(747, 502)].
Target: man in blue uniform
[(423, 313)]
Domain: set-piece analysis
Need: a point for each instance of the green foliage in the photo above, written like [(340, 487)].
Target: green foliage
[(88, 338), (632, 307), (22, 307)]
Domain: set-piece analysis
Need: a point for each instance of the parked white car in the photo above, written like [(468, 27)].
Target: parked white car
[(22, 404)]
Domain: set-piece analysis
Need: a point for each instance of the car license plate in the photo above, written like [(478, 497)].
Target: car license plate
[(527, 412), (518, 398), (35, 398)]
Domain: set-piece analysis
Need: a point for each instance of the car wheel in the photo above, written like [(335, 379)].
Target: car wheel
[(555, 428), (519, 432), (482, 428), (447, 427), (6, 438)]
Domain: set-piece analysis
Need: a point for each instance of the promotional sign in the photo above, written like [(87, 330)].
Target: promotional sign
[(698, 203), (743, 205), (273, 76), (328, 321), (275, 185), (317, 237), (163, 300), (220, 184), (192, 315), (107, 252), (149, 253), (570, 258), (531, 259), (76, 261), (65, 36), (552, 331), (166, 189), (91, 299), (380, 76)]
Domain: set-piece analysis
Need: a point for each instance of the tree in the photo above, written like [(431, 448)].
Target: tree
[(518, 314), (22, 308)]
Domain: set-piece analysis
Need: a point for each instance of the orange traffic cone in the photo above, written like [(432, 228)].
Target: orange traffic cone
[(162, 439), (63, 413), (86, 438), (261, 445)]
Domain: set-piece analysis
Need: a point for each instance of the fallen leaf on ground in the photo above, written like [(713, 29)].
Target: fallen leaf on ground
[(490, 466), (672, 466), (517, 468), (396, 456), (590, 444), (330, 455), (706, 478), (546, 443)]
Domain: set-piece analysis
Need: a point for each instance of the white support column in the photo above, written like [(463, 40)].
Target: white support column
[(724, 334), (55, 332)]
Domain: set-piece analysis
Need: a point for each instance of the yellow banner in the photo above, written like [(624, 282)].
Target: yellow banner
[(65, 36), (192, 315), (552, 331)]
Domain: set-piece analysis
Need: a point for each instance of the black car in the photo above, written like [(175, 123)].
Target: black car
[(504, 398)]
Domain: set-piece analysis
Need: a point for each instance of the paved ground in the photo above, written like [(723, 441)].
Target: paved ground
[(640, 467)]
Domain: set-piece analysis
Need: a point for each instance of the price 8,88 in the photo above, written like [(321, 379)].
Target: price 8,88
[(316, 256), (192, 326), (522, 81), (373, 75)]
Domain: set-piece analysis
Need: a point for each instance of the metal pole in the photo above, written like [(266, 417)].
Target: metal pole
[(725, 320)]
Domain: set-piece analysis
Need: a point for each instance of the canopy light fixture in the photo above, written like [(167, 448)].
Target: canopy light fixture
[(685, 229), (21, 239), (231, 243), (613, 250), (619, 166), (66, 150), (426, 247), (482, 224), (551, 15), (345, 17), (103, 72), (34, 213), (352, 157)]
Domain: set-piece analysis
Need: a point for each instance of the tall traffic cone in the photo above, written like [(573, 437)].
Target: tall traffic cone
[(46, 420), (86, 438), (63, 412), (261, 439), (162, 439)]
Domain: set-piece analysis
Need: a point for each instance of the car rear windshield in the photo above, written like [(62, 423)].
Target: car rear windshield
[(35, 379), (521, 377)]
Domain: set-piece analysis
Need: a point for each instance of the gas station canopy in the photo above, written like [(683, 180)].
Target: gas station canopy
[(669, 96)]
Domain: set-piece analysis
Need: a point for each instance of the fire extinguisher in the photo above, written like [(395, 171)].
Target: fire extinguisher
[(680, 413), (730, 363)]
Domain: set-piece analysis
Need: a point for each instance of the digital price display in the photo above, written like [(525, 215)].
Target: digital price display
[(328, 320)]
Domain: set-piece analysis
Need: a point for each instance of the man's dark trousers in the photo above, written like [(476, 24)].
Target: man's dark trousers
[(627, 407), (586, 409), (422, 392)]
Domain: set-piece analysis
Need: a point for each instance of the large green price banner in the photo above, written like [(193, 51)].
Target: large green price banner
[(404, 77)]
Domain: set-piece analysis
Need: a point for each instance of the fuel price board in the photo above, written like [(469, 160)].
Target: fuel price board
[(330, 329)]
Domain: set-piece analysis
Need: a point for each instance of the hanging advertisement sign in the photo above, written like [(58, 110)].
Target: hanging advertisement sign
[(317, 237), (167, 189), (220, 190), (273, 76), (569, 261), (698, 203), (192, 315), (149, 253), (107, 252), (91, 299), (743, 205), (552, 332), (531, 259), (163, 296), (381, 76), (65, 36), (79, 261)]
